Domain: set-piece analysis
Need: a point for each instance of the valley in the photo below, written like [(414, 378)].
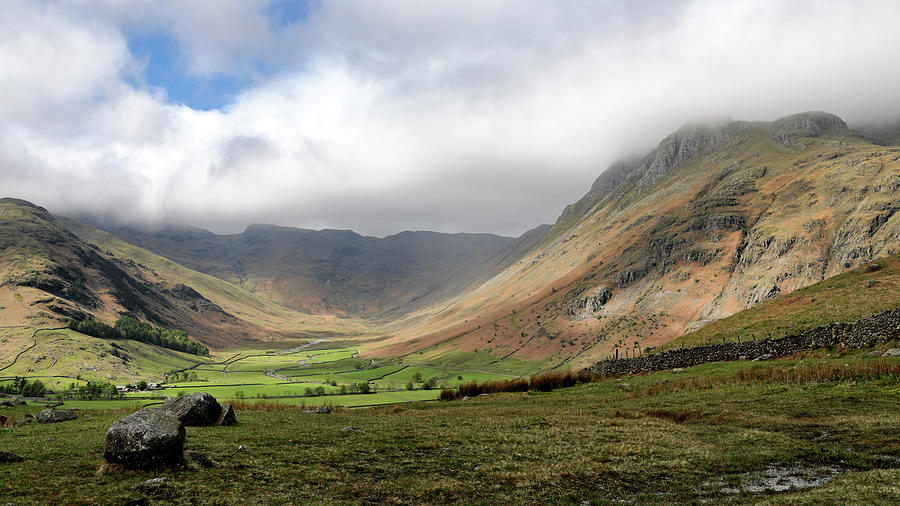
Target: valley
[(729, 233)]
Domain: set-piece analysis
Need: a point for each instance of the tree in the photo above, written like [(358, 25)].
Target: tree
[(417, 377), (410, 386), (363, 388), (141, 385), (320, 390)]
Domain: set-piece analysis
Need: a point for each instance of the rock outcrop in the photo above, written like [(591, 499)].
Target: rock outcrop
[(147, 439)]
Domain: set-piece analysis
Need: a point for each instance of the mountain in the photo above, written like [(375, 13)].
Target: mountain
[(719, 217), (338, 271), (48, 275)]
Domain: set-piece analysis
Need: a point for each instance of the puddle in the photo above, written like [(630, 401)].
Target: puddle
[(775, 478)]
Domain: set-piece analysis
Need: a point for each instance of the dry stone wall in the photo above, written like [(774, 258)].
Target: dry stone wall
[(863, 333)]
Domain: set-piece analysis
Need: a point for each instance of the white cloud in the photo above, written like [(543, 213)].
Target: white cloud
[(391, 115)]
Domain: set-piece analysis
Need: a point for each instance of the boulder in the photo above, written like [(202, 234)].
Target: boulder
[(893, 352), (324, 410), (147, 439), (55, 415), (6, 457), (226, 417), (194, 409)]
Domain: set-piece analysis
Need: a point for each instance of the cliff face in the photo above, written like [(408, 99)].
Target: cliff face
[(716, 219)]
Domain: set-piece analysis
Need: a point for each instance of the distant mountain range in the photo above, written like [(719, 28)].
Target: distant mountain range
[(719, 217)]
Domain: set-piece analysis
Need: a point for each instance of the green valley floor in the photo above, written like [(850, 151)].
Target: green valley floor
[(722, 433)]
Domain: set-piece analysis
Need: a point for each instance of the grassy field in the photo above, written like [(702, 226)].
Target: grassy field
[(706, 434)]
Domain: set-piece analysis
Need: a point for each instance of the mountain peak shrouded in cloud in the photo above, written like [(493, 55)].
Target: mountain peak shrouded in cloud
[(382, 116)]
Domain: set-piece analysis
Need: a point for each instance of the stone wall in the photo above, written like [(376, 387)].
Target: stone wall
[(863, 333)]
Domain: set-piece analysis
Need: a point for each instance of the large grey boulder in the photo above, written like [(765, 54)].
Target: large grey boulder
[(147, 439), (55, 415), (194, 409)]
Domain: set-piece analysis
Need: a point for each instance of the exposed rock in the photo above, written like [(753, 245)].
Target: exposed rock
[(55, 415), (590, 304), (872, 268), (159, 488), (8, 457), (194, 409), (202, 459), (677, 370), (147, 439), (349, 429), (323, 410), (629, 276), (625, 387), (226, 417), (893, 352)]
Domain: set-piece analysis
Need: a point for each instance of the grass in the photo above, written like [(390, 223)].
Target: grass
[(598, 442)]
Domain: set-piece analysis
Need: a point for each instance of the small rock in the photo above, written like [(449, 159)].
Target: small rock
[(194, 409), (661, 381), (226, 417), (242, 448), (870, 283), (202, 459), (893, 352), (6, 457), (323, 410), (767, 356), (678, 370), (349, 429), (147, 439), (625, 387), (465, 398), (55, 415), (872, 268), (157, 487), (875, 353)]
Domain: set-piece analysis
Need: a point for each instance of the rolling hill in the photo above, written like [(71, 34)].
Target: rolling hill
[(49, 275)]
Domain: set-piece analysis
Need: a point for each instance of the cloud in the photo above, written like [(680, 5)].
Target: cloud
[(387, 115)]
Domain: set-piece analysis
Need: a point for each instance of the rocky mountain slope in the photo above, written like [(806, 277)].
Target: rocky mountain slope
[(717, 218), (339, 271), (48, 275)]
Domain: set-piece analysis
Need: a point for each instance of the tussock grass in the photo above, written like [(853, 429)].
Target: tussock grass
[(543, 382)]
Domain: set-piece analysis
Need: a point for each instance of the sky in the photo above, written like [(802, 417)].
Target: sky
[(389, 115)]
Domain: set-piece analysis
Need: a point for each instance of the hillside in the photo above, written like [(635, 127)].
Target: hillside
[(716, 219), (338, 271), (48, 275)]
